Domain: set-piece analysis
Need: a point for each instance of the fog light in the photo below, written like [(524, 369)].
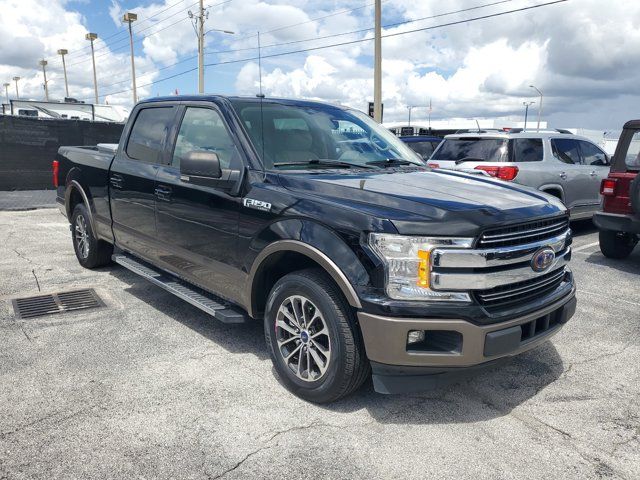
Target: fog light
[(415, 336)]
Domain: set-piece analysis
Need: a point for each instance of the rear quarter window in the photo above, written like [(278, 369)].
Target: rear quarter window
[(148, 134), (528, 150), (632, 157)]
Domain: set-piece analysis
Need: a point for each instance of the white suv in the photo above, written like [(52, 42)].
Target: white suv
[(565, 165)]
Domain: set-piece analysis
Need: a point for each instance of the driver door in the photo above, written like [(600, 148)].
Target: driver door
[(596, 163), (197, 224)]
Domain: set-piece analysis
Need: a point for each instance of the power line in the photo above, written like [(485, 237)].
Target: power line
[(388, 35), (293, 42)]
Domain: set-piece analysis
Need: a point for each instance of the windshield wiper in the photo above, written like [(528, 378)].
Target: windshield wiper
[(324, 162), (391, 162), (470, 159)]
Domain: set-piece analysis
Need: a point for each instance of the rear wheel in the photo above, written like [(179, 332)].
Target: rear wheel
[(313, 339), (617, 244), (90, 252)]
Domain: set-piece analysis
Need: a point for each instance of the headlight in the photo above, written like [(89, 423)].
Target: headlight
[(408, 265)]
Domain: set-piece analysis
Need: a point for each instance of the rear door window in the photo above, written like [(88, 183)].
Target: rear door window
[(566, 150), (528, 150), (472, 149), (149, 133), (592, 155)]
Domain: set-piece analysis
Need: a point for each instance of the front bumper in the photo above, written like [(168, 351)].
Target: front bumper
[(617, 222), (393, 360)]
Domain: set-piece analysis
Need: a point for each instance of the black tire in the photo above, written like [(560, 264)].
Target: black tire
[(634, 193), (98, 253), (348, 366), (617, 245)]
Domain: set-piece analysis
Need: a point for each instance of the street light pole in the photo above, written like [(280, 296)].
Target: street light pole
[(15, 79), (377, 64), (62, 52), (43, 62), (130, 18), (91, 37), (6, 91), (526, 112), (539, 105)]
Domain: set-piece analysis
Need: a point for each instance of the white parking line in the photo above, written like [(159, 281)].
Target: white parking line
[(584, 247)]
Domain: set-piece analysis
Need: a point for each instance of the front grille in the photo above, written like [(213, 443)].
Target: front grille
[(521, 292), (523, 233)]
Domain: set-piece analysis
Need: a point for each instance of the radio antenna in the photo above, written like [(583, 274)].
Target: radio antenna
[(259, 65)]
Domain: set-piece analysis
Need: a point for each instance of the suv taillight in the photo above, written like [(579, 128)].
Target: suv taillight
[(503, 173), (55, 166), (608, 187)]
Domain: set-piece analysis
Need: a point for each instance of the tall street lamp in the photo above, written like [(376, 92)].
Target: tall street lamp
[(43, 62), (129, 18), (6, 91), (15, 79), (539, 105), (91, 37), (526, 112), (62, 52)]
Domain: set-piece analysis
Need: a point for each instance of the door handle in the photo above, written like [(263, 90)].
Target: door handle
[(563, 175), (163, 193), (116, 181)]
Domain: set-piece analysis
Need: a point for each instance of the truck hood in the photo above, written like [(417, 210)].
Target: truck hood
[(420, 201)]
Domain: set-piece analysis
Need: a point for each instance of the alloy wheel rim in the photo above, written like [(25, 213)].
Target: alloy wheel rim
[(303, 338), (82, 237)]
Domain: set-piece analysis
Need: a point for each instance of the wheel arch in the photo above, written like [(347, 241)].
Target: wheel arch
[(75, 194), (293, 255), (553, 189)]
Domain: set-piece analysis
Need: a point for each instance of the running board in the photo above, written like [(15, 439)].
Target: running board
[(205, 301)]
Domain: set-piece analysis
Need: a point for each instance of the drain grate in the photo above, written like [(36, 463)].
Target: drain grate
[(62, 302)]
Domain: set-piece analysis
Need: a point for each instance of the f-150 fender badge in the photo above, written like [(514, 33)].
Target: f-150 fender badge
[(257, 204)]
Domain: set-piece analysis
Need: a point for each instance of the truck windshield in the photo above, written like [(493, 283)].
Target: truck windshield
[(294, 136), (473, 149)]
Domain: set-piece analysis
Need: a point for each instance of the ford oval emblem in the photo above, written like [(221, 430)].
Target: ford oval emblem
[(542, 259)]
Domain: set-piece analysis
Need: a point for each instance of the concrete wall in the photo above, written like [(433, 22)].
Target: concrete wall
[(29, 145)]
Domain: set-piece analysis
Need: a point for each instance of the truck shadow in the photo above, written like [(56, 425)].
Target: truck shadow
[(489, 394), (244, 338)]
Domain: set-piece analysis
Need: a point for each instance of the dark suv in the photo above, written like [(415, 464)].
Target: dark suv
[(619, 220)]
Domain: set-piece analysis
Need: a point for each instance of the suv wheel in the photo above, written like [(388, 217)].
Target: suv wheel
[(90, 251), (617, 244), (313, 339)]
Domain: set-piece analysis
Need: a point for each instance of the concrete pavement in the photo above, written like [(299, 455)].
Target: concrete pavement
[(151, 387)]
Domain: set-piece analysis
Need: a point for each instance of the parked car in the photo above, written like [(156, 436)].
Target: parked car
[(423, 145), (619, 220), (556, 162), (355, 259)]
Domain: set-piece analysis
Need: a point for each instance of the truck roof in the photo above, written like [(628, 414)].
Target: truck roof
[(213, 98)]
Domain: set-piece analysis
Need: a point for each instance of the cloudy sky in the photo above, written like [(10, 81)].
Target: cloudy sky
[(583, 54)]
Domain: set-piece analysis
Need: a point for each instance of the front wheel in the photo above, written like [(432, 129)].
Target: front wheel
[(617, 245), (90, 252), (313, 339)]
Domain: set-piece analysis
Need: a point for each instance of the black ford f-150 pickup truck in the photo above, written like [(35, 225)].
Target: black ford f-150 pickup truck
[(358, 257)]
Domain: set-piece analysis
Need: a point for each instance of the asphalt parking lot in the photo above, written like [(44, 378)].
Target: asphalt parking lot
[(150, 387)]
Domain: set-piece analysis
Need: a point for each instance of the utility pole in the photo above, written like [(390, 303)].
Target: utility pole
[(130, 18), (377, 64), (91, 37), (200, 21), (43, 62), (62, 52), (15, 79), (6, 91), (526, 112), (539, 105)]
